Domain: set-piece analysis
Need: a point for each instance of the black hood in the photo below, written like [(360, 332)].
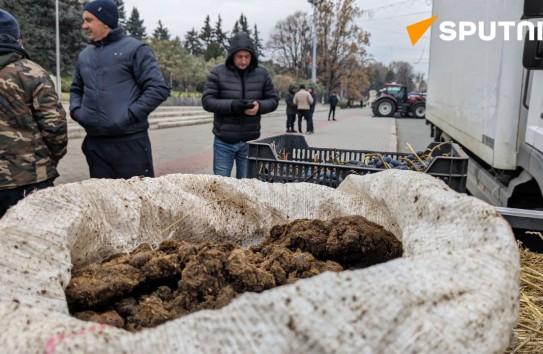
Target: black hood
[(242, 41), (8, 44)]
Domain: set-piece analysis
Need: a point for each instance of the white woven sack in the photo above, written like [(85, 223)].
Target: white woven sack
[(455, 290)]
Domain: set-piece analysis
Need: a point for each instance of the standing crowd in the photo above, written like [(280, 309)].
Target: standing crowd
[(302, 104), (116, 84)]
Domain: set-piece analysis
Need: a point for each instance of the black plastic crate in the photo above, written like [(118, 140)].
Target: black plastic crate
[(287, 158)]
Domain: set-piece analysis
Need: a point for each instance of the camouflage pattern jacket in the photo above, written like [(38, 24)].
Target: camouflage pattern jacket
[(33, 127)]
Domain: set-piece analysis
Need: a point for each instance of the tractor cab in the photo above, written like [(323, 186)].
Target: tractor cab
[(394, 98), (397, 91)]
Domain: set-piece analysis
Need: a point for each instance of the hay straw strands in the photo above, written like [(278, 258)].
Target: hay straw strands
[(528, 334)]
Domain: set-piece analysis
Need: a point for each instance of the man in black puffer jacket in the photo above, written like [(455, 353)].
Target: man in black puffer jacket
[(116, 85), (238, 92)]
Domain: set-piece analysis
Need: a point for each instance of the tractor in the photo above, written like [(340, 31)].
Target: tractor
[(394, 98)]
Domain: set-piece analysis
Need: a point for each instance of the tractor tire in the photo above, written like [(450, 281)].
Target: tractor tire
[(384, 108), (419, 110)]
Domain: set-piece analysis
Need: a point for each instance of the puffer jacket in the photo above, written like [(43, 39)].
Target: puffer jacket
[(303, 99), (226, 83), (116, 85), (33, 128), (289, 100)]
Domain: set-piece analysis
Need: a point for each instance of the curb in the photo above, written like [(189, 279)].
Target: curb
[(75, 131)]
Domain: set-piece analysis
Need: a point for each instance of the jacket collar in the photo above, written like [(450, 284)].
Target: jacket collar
[(112, 36)]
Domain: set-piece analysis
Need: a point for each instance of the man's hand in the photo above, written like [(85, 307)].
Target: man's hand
[(253, 110), (244, 106), (237, 106)]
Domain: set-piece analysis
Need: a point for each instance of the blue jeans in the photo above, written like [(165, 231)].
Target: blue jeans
[(225, 154)]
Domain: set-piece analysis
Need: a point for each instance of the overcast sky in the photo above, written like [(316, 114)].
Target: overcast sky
[(385, 20)]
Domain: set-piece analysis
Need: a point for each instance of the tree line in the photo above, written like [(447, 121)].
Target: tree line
[(343, 63)]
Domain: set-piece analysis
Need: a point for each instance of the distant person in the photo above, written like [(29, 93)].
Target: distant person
[(116, 85), (312, 107), (303, 101), (333, 103), (33, 128), (238, 92), (291, 109)]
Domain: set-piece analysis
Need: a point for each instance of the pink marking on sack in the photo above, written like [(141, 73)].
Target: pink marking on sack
[(51, 343)]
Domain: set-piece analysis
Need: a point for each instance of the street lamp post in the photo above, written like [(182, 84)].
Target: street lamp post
[(59, 90), (314, 37), (314, 56)]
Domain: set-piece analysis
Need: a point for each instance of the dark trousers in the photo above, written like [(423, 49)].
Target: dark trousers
[(332, 112), (291, 118), (10, 197), (303, 113), (310, 121), (119, 157)]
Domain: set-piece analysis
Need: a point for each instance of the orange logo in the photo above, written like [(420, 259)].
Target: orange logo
[(416, 30)]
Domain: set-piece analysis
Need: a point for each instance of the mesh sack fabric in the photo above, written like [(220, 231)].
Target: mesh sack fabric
[(455, 289)]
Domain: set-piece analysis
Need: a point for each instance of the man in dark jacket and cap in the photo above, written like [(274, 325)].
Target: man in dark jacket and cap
[(116, 85), (292, 109), (238, 92), (33, 128)]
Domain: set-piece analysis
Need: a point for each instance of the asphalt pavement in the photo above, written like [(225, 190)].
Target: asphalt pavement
[(189, 149)]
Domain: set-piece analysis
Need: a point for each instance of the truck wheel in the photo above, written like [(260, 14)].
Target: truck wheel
[(419, 110), (384, 108)]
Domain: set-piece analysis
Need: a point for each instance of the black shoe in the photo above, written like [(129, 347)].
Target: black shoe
[(334, 119)]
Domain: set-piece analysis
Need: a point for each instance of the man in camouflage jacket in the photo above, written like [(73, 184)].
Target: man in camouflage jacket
[(33, 129)]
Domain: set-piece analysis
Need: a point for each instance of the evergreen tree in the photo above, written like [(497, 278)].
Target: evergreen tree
[(235, 30), (134, 26), (161, 33), (213, 51), (207, 33), (17, 9), (220, 36), (210, 38), (192, 43), (37, 20), (258, 43), (244, 24), (122, 13)]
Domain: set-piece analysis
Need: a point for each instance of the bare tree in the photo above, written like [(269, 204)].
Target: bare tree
[(341, 44), (403, 73), (290, 44), (420, 82), (357, 82)]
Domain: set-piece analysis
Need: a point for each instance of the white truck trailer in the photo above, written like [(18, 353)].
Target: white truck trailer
[(485, 92)]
